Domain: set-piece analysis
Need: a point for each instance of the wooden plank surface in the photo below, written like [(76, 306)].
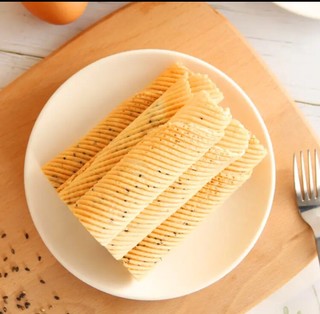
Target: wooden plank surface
[(285, 246)]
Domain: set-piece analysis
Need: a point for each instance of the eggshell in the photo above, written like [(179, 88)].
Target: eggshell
[(56, 12)]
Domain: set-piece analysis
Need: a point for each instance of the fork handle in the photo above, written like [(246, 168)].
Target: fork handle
[(312, 217)]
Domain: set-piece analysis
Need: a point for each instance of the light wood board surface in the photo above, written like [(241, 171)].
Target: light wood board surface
[(196, 29)]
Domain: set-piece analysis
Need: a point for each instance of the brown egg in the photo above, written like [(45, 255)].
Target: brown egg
[(56, 12)]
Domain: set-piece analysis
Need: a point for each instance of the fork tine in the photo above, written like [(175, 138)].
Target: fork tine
[(310, 172), (296, 179), (317, 172), (304, 179)]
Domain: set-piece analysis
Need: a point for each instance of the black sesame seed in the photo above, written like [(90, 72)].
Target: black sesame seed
[(3, 235), (5, 297), (13, 251), (27, 269), (126, 212), (5, 258), (27, 304), (42, 281), (126, 230), (56, 297), (140, 175), (64, 158), (19, 306), (39, 258), (201, 118), (159, 171), (26, 235), (125, 200), (128, 190), (136, 187), (4, 309), (5, 275)]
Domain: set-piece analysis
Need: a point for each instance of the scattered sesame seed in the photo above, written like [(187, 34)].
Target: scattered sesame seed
[(4, 309), (5, 275), (5, 258), (3, 235), (42, 281), (15, 269), (27, 269), (39, 258), (13, 251), (26, 235), (57, 297), (27, 304), (140, 175)]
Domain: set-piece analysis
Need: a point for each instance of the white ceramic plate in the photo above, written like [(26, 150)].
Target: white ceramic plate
[(308, 9), (212, 251)]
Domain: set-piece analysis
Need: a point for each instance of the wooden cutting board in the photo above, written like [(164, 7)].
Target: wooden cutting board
[(286, 245)]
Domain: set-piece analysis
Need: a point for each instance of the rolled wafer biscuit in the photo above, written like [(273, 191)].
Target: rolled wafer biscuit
[(230, 147), (198, 82), (67, 163), (172, 231), (148, 169), (158, 113)]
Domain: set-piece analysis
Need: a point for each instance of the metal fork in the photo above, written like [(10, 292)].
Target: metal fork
[(307, 187)]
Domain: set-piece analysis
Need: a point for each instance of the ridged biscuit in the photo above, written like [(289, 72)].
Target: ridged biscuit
[(67, 163), (230, 147), (147, 170), (157, 114), (172, 231)]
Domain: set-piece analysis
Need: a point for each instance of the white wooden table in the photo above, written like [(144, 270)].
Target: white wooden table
[(288, 43)]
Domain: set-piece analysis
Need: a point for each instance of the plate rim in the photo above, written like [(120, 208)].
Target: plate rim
[(272, 174)]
